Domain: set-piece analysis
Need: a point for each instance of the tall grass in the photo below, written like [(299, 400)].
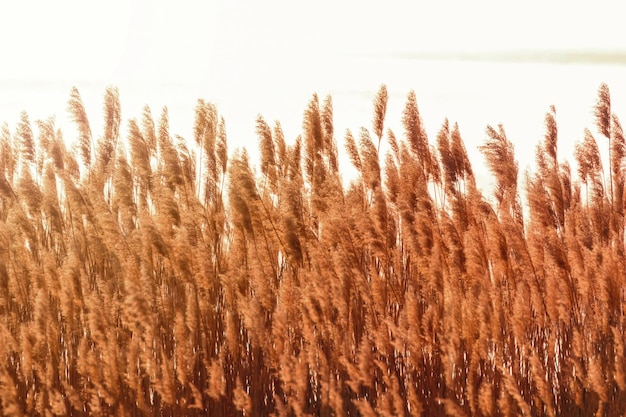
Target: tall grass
[(151, 275)]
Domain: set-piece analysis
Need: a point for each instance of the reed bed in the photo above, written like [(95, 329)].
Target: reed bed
[(150, 275)]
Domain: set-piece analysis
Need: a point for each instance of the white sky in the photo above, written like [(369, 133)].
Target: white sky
[(268, 57), (187, 39)]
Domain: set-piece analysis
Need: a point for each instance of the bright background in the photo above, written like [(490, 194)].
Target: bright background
[(156, 40), (269, 57)]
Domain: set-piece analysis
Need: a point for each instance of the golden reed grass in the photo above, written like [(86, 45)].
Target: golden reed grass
[(151, 276)]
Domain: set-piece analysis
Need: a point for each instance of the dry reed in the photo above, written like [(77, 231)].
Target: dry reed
[(150, 275)]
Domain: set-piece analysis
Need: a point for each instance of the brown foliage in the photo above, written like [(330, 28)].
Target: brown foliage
[(139, 288)]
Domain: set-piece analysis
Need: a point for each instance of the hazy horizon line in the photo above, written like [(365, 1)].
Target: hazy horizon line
[(554, 56)]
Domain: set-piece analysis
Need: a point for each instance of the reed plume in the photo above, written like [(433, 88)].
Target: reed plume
[(79, 116), (27, 141), (380, 111)]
